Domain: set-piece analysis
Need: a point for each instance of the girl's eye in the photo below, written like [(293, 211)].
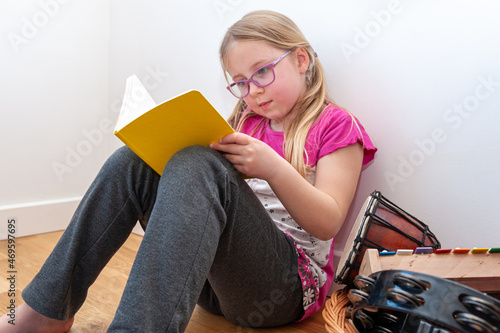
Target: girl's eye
[(240, 84), (263, 70)]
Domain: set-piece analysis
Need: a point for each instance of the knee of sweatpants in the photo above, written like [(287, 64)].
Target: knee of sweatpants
[(196, 153), (123, 158), (123, 155), (197, 159)]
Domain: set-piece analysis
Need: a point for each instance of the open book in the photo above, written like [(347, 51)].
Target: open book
[(156, 132)]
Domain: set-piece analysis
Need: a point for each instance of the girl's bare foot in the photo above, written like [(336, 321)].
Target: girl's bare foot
[(27, 320)]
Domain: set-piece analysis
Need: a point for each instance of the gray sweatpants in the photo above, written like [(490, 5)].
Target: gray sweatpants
[(208, 240)]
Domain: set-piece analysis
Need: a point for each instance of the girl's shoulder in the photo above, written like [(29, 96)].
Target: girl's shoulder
[(337, 128), (333, 117), (335, 112)]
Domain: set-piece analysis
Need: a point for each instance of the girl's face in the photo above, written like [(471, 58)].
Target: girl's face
[(277, 101)]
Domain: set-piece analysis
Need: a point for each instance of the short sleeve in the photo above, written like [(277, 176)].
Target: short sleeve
[(335, 129)]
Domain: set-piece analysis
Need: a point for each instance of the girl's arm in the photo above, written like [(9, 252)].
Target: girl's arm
[(319, 209)]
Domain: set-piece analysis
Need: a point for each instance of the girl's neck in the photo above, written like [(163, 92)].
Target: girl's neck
[(276, 126), (280, 125)]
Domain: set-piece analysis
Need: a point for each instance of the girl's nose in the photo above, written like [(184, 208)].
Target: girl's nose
[(254, 90)]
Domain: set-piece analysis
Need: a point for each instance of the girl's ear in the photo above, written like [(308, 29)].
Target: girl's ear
[(302, 59)]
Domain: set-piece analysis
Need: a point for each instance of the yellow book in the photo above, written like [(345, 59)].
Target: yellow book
[(156, 132)]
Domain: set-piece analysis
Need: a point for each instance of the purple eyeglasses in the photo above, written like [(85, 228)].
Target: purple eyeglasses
[(262, 77)]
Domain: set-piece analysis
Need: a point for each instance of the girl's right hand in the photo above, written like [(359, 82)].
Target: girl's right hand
[(249, 156)]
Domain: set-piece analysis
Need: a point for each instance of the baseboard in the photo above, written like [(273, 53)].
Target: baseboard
[(40, 217), (36, 217)]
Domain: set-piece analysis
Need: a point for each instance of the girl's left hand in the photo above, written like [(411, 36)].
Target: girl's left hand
[(249, 156)]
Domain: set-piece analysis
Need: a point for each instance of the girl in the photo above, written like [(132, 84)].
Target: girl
[(256, 250)]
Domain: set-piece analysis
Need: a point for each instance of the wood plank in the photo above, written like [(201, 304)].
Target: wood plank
[(480, 271), (104, 296), (370, 265)]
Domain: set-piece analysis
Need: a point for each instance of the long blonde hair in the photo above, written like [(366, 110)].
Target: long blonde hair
[(279, 31)]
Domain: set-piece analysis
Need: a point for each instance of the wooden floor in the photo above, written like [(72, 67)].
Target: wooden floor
[(104, 296)]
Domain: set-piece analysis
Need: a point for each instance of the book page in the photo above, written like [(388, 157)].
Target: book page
[(136, 102)]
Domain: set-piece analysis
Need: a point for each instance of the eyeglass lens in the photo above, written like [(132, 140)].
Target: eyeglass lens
[(262, 77)]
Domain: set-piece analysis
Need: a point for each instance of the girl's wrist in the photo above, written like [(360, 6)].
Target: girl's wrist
[(281, 172)]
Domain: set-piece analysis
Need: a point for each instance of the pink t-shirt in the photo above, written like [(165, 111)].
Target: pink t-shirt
[(335, 129)]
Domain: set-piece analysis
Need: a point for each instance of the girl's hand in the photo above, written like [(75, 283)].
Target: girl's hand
[(249, 156)]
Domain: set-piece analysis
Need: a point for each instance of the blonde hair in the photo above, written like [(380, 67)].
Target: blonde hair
[(279, 31)]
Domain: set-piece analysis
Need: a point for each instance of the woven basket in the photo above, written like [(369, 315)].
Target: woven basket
[(335, 311)]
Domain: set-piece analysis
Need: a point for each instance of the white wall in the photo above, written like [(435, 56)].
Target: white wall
[(427, 85), (423, 77), (54, 91)]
